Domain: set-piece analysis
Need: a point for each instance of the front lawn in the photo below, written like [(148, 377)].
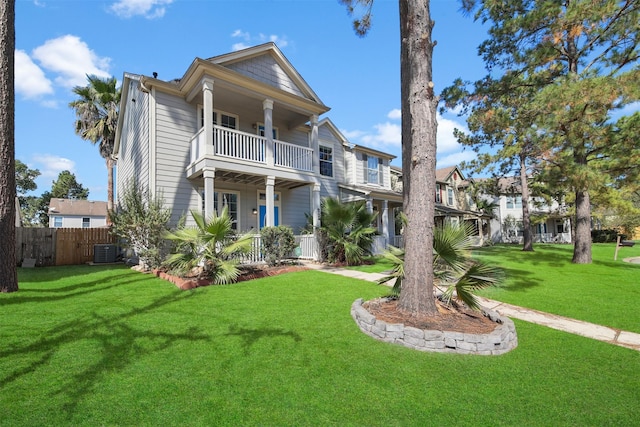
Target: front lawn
[(605, 292), (109, 346)]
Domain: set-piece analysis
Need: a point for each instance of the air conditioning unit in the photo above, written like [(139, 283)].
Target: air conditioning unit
[(104, 253)]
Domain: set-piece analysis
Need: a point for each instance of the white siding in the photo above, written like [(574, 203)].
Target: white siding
[(133, 157), (175, 125)]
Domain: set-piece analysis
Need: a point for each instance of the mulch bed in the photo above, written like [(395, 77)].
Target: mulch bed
[(449, 319), (248, 273)]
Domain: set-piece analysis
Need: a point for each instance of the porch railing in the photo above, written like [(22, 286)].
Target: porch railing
[(306, 248), (239, 145), (293, 156)]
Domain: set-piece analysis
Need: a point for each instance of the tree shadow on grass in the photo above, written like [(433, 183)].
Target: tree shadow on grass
[(118, 343), (251, 336)]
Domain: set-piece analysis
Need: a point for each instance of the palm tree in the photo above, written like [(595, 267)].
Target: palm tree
[(348, 229), (97, 118), (210, 246), (457, 276)]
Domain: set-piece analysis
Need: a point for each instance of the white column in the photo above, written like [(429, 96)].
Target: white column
[(385, 221), (269, 220), (316, 206), (315, 145), (208, 175), (207, 95), (369, 204), (267, 107)]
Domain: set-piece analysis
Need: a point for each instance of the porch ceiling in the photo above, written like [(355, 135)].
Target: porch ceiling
[(231, 99), (234, 177)]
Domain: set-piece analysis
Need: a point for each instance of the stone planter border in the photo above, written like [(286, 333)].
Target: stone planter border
[(500, 341)]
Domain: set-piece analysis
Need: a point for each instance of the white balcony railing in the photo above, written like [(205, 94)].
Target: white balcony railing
[(293, 156), (239, 145)]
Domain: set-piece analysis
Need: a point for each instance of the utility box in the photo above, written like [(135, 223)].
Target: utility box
[(105, 253)]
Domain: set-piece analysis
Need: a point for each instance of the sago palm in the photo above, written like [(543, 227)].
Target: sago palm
[(348, 229), (456, 274), (210, 246)]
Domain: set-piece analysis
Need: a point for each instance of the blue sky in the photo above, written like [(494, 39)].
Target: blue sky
[(58, 42)]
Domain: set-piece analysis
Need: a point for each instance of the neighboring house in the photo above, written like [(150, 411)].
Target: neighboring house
[(69, 213), (243, 130), (550, 222), (453, 202)]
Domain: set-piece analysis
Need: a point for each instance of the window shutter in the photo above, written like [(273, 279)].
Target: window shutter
[(380, 172), (365, 167)]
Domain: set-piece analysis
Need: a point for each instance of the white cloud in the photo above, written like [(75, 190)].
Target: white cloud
[(51, 165), (150, 9), (387, 134), (30, 80), (395, 114), (250, 40), (72, 59), (239, 46), (455, 159), (448, 143)]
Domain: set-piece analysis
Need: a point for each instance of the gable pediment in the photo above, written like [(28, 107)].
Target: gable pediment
[(266, 64)]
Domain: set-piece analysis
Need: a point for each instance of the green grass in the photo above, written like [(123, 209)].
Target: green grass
[(605, 292), (89, 346)]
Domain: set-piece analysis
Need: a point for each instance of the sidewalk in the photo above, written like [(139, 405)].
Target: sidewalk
[(578, 327)]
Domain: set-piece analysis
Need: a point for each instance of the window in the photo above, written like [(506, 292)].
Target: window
[(438, 193), (450, 196), (57, 221), (224, 119), (86, 222), (373, 169), (326, 161), (220, 200), (261, 131), (230, 200), (514, 202)]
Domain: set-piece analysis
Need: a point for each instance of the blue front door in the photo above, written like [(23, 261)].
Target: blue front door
[(263, 214)]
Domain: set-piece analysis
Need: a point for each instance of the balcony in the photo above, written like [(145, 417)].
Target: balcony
[(231, 144)]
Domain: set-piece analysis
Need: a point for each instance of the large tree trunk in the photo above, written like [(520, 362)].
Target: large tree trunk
[(418, 156), (526, 216), (8, 273), (582, 242)]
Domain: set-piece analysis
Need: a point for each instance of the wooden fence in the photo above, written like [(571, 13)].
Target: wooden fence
[(59, 246)]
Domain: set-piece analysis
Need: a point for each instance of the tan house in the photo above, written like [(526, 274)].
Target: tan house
[(69, 213)]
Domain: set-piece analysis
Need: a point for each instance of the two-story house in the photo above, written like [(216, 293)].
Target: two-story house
[(243, 130), (70, 213), (550, 220)]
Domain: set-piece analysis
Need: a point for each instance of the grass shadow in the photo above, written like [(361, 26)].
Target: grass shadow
[(251, 336), (119, 344)]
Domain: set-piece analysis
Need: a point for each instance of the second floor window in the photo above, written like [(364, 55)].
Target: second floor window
[(86, 222), (222, 119), (373, 171), (514, 202), (438, 193), (326, 161), (450, 196), (57, 221)]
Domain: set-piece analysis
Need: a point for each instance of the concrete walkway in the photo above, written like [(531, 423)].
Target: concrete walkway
[(578, 327)]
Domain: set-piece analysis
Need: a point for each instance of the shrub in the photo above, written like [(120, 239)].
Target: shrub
[(277, 243), (140, 221), (606, 236), (210, 249)]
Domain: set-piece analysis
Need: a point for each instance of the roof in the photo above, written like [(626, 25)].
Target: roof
[(77, 207)]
